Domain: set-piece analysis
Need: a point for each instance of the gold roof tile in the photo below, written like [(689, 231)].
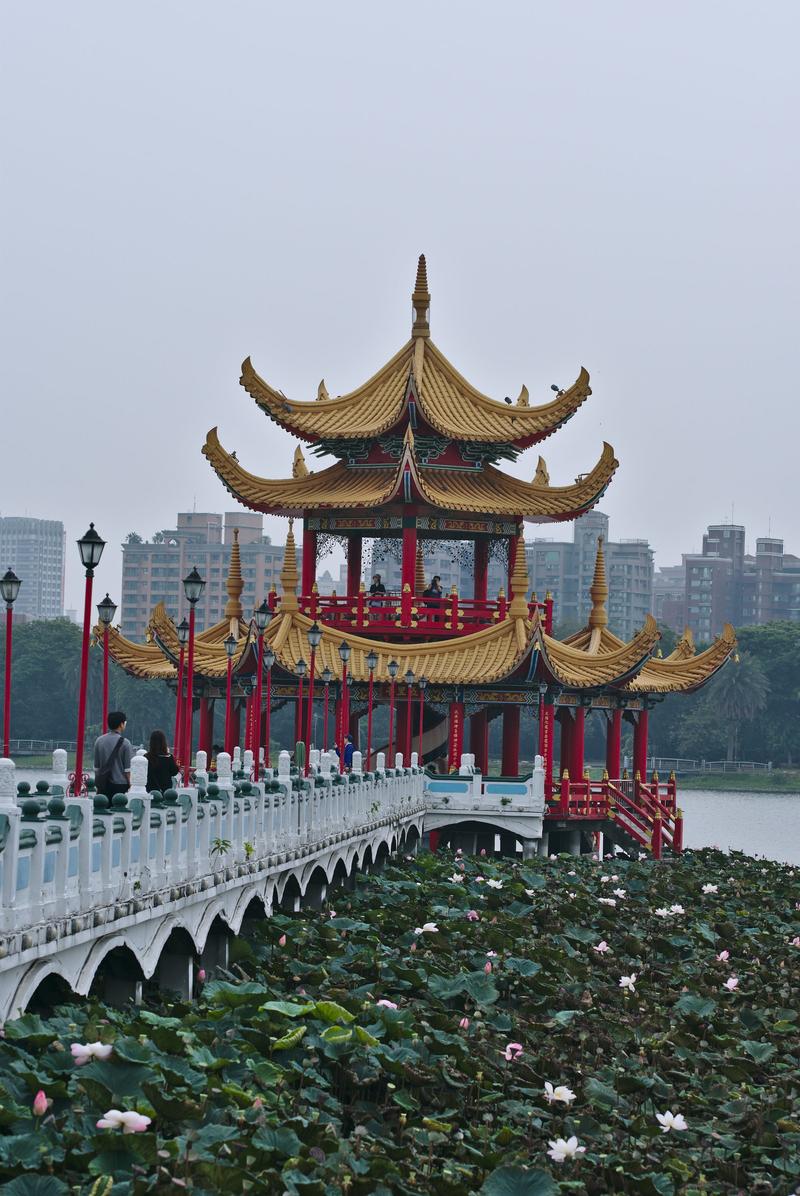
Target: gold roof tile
[(581, 669), (676, 674)]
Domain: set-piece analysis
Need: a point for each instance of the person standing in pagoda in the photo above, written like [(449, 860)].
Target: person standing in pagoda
[(377, 592), (433, 598)]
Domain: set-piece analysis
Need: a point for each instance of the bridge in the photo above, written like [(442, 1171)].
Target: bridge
[(109, 896)]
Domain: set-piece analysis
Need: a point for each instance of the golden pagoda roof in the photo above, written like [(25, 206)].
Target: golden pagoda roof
[(146, 661), (486, 490), (448, 402), (581, 669)]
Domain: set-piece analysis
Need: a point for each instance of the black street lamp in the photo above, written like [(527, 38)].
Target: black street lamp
[(90, 547)]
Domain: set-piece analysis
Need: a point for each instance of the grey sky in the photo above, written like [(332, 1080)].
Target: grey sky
[(613, 185)]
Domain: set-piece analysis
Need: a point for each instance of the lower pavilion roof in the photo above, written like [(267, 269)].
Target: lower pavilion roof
[(485, 491)]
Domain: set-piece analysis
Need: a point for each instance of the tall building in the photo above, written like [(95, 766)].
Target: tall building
[(152, 571), (34, 549), (669, 596)]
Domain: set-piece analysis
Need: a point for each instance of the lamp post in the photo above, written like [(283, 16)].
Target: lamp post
[(90, 546), (300, 670), (392, 668), (409, 679), (9, 588), (183, 639), (423, 685), (230, 652), (262, 616), (314, 639), (269, 660), (193, 586), (372, 661), (105, 613), (344, 656), (327, 677)]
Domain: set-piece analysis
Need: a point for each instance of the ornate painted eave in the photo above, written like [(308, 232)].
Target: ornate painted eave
[(684, 674), (487, 491)]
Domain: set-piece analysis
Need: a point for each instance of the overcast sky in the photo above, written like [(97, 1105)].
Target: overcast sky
[(612, 185)]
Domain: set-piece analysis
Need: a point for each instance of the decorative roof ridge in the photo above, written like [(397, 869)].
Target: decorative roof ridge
[(235, 582), (289, 575), (520, 582), (580, 669), (142, 660), (421, 301), (685, 647), (670, 675), (598, 616)]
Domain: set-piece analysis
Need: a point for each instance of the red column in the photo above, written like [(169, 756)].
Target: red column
[(565, 718), (640, 745), (576, 753), (237, 723), (614, 744), (409, 558), (206, 723), (479, 740), (510, 765), (455, 742), (353, 565), (481, 582), (546, 737), (309, 566), (401, 721), (354, 723)]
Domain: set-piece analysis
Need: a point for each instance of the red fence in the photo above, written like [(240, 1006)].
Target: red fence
[(645, 810)]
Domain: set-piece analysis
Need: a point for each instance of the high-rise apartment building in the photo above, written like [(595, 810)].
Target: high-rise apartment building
[(34, 549), (152, 571)]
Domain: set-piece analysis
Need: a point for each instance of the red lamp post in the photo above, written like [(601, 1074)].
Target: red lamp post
[(300, 670), (392, 668), (409, 679), (314, 634), (91, 549), (261, 617), (105, 613), (183, 639), (269, 660), (193, 586), (372, 661), (230, 652), (327, 677), (344, 656), (423, 685), (9, 588)]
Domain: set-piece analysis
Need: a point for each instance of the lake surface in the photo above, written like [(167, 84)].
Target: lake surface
[(766, 824)]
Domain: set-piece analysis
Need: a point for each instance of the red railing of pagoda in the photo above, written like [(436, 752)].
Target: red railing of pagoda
[(645, 810), (409, 614)]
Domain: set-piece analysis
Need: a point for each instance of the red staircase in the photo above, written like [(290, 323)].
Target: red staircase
[(645, 812)]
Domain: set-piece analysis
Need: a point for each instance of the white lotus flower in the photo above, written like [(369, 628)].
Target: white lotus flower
[(558, 1093), (604, 880), (529, 892), (457, 878), (601, 947), (427, 928), (82, 1052), (710, 888), (723, 956), (732, 983), (628, 983), (671, 1121), (495, 884), (662, 912), (677, 909), (561, 1150), (129, 1122), (606, 901), (619, 893)]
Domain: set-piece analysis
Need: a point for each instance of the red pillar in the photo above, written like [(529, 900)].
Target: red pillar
[(206, 724), (455, 735), (510, 765), (640, 745), (614, 745), (309, 566), (353, 565), (546, 727), (576, 753), (565, 718), (236, 723), (408, 566), (354, 723), (401, 724), (479, 740), (481, 581)]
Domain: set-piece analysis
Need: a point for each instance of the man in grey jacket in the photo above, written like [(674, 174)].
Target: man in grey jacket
[(112, 757)]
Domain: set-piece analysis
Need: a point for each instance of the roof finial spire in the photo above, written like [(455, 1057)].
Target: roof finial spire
[(520, 582), (598, 616), (235, 583), (289, 576), (421, 301)]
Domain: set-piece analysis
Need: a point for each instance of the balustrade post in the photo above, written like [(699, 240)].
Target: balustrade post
[(10, 810), (60, 775), (677, 834), (563, 808)]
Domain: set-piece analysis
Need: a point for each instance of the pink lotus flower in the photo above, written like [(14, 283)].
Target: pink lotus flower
[(464, 1023), (513, 1051), (795, 941), (413, 947), (724, 956), (386, 1004), (40, 1103), (473, 915), (201, 976), (282, 941), (601, 947), (129, 1122), (732, 983), (82, 1052), (331, 913), (459, 851), (487, 967), (483, 851)]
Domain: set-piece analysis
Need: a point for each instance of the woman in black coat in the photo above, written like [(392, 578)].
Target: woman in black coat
[(161, 764)]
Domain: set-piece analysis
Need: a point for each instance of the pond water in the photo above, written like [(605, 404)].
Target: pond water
[(766, 824)]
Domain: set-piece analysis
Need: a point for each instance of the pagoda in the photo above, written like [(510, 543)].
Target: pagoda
[(418, 454)]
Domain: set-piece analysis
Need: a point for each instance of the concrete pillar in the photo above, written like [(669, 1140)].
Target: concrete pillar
[(574, 842), (175, 973), (544, 844), (216, 952), (528, 849)]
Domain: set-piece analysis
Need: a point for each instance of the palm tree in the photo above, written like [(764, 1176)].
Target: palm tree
[(740, 692)]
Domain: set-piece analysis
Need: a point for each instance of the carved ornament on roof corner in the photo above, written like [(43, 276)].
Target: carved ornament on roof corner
[(352, 452), (488, 454)]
